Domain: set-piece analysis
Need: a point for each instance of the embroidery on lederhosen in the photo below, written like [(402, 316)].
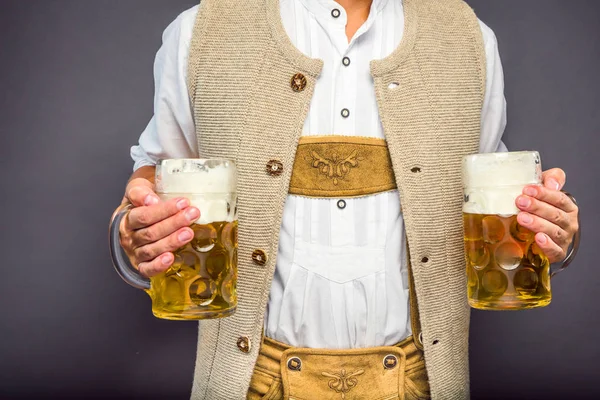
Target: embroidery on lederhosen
[(343, 382)]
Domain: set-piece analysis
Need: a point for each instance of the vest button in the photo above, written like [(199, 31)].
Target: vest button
[(298, 82), (259, 257), (243, 344), (274, 168)]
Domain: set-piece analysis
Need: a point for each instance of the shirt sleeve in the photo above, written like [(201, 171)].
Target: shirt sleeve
[(171, 132), (493, 113)]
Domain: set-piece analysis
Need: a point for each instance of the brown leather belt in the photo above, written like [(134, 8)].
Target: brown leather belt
[(341, 166)]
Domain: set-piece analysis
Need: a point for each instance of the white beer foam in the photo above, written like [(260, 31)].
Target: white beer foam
[(196, 176), (211, 190), (492, 182), (213, 210)]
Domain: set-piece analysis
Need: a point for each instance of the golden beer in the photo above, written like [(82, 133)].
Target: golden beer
[(506, 270), (201, 283), (505, 267), (202, 280)]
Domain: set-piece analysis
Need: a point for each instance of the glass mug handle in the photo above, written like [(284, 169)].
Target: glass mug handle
[(574, 246), (120, 260)]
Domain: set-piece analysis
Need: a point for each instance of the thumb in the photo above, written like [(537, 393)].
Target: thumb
[(554, 178), (140, 192)]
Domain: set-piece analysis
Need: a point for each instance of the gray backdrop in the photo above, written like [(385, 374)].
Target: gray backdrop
[(76, 91)]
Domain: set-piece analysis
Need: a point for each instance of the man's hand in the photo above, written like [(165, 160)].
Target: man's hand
[(549, 213), (154, 229)]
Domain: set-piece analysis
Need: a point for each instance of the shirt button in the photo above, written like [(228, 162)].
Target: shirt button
[(259, 257), (346, 61), (298, 82), (341, 204), (345, 113), (335, 13), (274, 168), (243, 344)]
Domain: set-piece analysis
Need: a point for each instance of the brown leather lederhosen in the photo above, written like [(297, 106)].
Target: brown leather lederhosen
[(342, 166)]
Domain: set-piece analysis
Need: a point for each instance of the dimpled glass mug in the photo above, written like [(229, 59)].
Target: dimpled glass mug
[(506, 269), (201, 283)]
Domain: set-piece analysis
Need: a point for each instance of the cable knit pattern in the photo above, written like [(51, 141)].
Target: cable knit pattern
[(430, 93)]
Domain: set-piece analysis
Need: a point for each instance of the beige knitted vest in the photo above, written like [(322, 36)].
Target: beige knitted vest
[(430, 94)]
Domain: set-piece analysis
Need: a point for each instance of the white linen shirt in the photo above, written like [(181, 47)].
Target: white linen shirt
[(341, 278)]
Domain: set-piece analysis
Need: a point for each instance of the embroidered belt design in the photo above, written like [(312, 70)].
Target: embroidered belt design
[(341, 166)]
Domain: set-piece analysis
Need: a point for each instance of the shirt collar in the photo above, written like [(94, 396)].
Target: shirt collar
[(323, 8)]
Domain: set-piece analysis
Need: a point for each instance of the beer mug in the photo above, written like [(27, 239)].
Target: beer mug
[(506, 269), (201, 283)]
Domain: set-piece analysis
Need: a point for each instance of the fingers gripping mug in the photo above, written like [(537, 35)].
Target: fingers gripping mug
[(201, 283), (506, 269)]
